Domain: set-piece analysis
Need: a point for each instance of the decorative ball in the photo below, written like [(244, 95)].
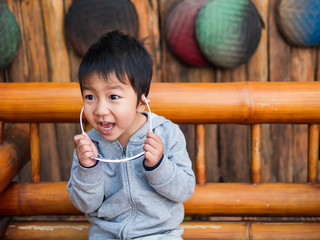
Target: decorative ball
[(180, 32), (299, 22), (86, 21), (228, 32), (10, 36)]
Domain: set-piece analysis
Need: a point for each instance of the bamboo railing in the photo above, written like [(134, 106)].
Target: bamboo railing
[(252, 103)]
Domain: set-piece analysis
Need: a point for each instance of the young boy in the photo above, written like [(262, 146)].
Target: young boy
[(138, 199)]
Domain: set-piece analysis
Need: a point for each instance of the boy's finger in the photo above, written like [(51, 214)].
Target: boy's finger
[(78, 137), (155, 137)]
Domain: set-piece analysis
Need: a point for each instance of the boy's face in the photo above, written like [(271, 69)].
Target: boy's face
[(111, 108)]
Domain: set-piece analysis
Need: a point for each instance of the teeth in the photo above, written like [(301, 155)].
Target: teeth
[(106, 126)]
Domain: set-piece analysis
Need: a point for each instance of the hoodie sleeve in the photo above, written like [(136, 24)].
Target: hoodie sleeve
[(174, 177), (86, 186)]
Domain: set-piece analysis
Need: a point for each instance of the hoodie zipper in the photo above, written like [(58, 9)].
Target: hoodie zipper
[(124, 232)]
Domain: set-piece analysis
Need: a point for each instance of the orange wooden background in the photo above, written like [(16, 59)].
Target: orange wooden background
[(45, 56)]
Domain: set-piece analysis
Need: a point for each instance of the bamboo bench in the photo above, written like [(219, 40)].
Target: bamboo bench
[(251, 103)]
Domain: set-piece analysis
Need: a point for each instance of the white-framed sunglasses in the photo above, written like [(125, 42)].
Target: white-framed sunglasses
[(125, 159)]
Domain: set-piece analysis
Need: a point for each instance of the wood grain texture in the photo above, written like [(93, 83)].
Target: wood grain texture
[(149, 30), (279, 70)]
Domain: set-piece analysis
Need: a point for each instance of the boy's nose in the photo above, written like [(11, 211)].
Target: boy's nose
[(102, 109)]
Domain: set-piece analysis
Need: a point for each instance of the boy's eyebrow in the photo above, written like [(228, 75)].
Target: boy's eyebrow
[(85, 87), (113, 86), (116, 86)]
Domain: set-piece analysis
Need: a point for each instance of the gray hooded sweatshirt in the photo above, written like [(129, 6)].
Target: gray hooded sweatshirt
[(126, 201)]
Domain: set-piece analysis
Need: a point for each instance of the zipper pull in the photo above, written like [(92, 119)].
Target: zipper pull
[(124, 151)]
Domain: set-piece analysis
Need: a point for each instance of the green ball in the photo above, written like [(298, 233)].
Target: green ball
[(10, 36), (228, 31)]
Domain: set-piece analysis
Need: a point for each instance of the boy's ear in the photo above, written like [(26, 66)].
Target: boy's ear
[(142, 104)]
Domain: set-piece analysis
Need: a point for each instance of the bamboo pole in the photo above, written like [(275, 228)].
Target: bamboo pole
[(192, 230), (200, 154), (236, 102), (35, 152), (313, 152), (256, 153), (254, 199), (14, 153), (27, 199), (233, 199)]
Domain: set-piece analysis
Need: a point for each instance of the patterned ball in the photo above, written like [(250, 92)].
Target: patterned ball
[(180, 32), (299, 22), (86, 21), (228, 31), (10, 36)]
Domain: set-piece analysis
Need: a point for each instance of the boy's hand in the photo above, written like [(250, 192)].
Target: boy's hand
[(153, 149), (85, 149)]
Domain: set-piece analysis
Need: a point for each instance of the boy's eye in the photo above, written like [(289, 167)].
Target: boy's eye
[(89, 97), (114, 97)]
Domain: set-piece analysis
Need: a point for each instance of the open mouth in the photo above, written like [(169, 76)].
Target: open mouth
[(106, 127)]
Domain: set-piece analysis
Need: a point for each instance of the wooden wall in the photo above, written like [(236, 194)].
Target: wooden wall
[(45, 56)]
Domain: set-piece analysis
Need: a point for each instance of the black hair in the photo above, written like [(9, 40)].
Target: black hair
[(121, 54)]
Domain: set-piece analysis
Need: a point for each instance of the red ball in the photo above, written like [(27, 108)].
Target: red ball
[(180, 33)]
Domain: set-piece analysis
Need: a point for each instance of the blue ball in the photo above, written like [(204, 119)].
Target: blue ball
[(299, 22)]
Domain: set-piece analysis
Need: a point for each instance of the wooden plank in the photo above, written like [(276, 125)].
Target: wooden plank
[(34, 35), (58, 58), (66, 145), (258, 70), (220, 199), (234, 137), (149, 29), (279, 70), (74, 58), (49, 153), (258, 63), (303, 69)]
